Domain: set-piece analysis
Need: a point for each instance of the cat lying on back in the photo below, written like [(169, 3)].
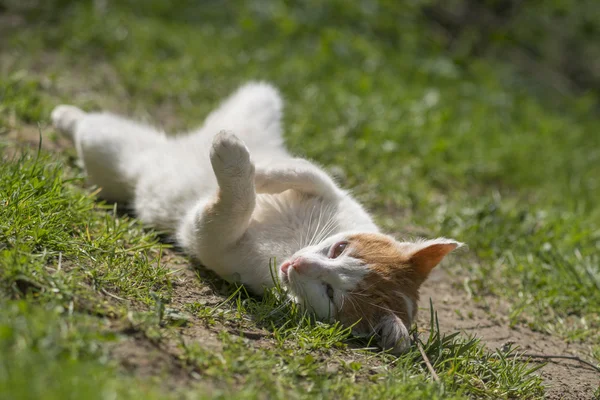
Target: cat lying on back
[(236, 199)]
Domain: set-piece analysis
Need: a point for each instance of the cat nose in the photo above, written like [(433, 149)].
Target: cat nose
[(285, 266), (299, 264)]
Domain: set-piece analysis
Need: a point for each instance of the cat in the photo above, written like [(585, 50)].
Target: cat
[(236, 200)]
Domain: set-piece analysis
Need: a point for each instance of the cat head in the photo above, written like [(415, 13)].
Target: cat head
[(368, 280)]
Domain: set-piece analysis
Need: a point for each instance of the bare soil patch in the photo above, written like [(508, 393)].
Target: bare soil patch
[(564, 379)]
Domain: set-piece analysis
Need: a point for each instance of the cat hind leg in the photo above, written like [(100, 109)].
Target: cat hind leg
[(110, 148), (254, 113)]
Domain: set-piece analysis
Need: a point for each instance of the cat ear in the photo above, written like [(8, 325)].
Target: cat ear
[(393, 334), (426, 255)]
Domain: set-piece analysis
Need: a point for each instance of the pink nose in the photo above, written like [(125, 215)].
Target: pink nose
[(285, 266), (298, 264)]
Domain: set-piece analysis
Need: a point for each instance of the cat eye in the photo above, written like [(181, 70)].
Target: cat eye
[(337, 249), (329, 291)]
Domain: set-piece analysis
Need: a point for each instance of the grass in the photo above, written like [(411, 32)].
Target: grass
[(55, 238), (62, 254), (48, 354), (456, 147)]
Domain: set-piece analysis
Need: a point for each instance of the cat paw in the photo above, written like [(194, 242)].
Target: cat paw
[(65, 118), (229, 157)]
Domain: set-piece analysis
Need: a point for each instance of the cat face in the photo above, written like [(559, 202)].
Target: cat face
[(366, 279)]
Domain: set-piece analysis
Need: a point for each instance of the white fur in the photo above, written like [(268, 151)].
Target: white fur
[(270, 205), (235, 199), (393, 334)]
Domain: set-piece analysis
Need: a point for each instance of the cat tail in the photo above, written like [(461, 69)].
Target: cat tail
[(253, 112)]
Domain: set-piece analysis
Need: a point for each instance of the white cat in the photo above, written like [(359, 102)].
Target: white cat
[(237, 200)]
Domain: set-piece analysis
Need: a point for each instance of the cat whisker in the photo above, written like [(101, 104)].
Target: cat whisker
[(319, 233), (282, 306), (310, 220), (364, 289), (328, 228), (300, 292), (358, 309), (381, 307), (318, 226)]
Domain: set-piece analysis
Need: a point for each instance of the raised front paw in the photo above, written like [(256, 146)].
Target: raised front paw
[(230, 157), (65, 117)]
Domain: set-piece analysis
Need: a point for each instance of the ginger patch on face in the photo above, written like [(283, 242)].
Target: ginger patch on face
[(396, 270), (387, 288)]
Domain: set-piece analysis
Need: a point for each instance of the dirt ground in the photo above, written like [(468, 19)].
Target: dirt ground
[(564, 379)]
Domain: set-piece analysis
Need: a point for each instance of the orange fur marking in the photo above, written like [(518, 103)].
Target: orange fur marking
[(396, 271)]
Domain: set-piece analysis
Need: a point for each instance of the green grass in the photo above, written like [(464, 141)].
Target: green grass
[(453, 146), (57, 242), (49, 354), (58, 260), (61, 257)]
